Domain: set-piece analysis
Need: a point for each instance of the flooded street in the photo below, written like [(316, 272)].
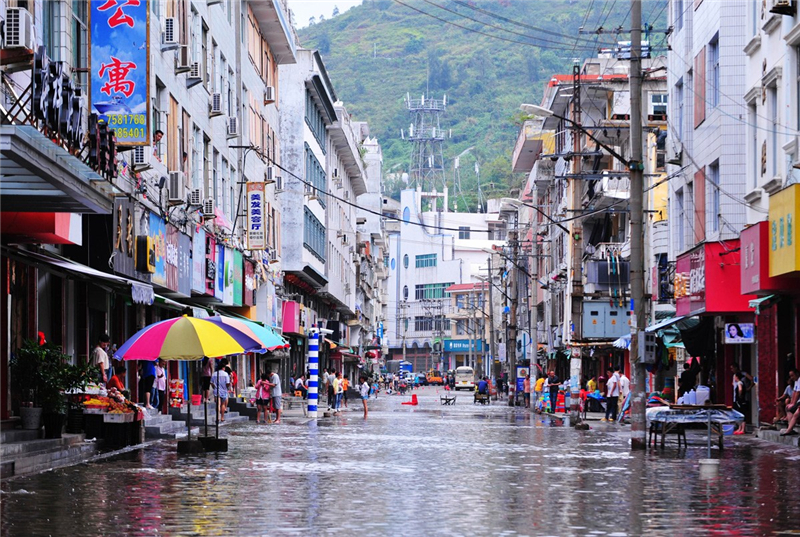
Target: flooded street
[(423, 470)]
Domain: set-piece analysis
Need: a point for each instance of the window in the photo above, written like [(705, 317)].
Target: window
[(158, 122), (658, 104), (405, 261), (315, 121), (80, 44), (713, 78), (196, 152), (425, 261), (215, 180), (681, 214), (225, 201), (423, 324), (714, 202), (755, 156), (405, 292), (430, 291), (207, 186), (52, 30), (463, 232), (772, 97), (315, 175), (679, 105), (314, 235), (699, 88), (677, 16)]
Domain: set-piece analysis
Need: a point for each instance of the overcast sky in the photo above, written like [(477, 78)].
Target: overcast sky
[(305, 9)]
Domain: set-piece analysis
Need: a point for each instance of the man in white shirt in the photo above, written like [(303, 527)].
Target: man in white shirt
[(221, 381), (612, 395), (100, 358), (624, 388), (275, 393)]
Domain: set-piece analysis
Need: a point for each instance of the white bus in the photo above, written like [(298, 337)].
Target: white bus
[(465, 378)]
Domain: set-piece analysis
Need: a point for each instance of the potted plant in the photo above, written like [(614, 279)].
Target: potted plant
[(25, 368), (75, 379)]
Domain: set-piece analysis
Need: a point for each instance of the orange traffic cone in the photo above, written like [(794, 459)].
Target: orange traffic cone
[(413, 401)]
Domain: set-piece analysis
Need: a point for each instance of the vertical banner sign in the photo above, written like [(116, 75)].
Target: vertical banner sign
[(199, 261), (256, 222), (120, 65), (158, 232)]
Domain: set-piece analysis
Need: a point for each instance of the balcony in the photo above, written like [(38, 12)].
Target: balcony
[(275, 27), (531, 141)]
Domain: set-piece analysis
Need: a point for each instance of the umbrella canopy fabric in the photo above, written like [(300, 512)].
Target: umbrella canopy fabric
[(186, 338), (270, 341)]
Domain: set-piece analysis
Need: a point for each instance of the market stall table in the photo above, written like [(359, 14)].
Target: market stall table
[(673, 419)]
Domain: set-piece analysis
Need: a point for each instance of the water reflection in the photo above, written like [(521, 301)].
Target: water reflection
[(452, 471)]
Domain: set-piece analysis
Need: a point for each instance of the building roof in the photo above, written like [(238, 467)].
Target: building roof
[(461, 287)]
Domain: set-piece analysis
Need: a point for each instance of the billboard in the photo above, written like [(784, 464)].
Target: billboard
[(120, 66), (784, 253), (256, 221), (739, 333)]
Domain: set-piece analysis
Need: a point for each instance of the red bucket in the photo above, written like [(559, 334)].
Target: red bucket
[(197, 400)]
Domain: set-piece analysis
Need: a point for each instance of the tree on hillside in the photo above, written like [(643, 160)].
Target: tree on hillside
[(324, 43), (312, 21), (335, 11)]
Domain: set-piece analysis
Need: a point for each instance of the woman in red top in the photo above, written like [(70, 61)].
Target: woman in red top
[(116, 380), (262, 399)]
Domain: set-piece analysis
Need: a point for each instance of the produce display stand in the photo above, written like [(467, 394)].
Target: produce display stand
[(673, 419)]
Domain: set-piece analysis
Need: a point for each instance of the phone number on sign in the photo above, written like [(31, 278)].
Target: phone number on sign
[(126, 119), (125, 133)]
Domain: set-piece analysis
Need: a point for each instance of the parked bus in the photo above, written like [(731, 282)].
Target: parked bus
[(465, 378)]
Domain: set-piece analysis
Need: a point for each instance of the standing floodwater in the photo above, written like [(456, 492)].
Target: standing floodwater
[(431, 469)]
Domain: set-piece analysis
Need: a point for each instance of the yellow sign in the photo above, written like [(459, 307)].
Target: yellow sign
[(784, 254)]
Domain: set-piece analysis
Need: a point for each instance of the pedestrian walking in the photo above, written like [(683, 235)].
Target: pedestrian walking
[(262, 399), (739, 399), (221, 382), (206, 371), (331, 392), (537, 390), (526, 387), (275, 393), (337, 390), (612, 395), (364, 391), (624, 388), (148, 377), (160, 386), (553, 383), (345, 387)]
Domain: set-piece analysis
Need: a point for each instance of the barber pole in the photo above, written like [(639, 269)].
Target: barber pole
[(313, 376)]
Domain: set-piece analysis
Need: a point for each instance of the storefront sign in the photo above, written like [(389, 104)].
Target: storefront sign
[(708, 280), (199, 261), (211, 265), (219, 284), (256, 218), (171, 256), (755, 263), (292, 315), (124, 248), (120, 66), (227, 291), (237, 278), (249, 284), (462, 345), (184, 265), (158, 233), (784, 253)]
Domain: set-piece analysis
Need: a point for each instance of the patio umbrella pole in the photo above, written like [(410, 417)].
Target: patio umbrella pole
[(205, 415)]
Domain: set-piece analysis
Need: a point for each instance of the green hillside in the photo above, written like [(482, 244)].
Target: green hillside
[(500, 56)]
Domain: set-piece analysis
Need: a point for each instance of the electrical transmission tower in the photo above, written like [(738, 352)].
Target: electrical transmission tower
[(427, 136)]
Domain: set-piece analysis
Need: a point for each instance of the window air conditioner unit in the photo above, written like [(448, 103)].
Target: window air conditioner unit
[(233, 127), (273, 256), (311, 192), (269, 94), (194, 71), (268, 175), (182, 60), (335, 173), (19, 28), (169, 38), (344, 239), (216, 105), (141, 157), (208, 208), (196, 197), (176, 187)]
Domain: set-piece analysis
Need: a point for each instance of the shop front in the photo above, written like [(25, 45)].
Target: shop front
[(459, 351), (707, 285)]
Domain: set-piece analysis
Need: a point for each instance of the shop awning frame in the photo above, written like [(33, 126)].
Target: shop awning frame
[(141, 293), (665, 323), (759, 303)]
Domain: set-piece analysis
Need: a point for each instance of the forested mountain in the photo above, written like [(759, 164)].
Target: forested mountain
[(487, 56)]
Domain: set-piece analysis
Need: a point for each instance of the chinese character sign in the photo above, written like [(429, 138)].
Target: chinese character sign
[(256, 217), (120, 68)]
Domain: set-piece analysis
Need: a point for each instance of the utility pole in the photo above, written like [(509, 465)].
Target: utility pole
[(638, 419), (492, 348), (576, 240), (511, 342), (535, 306)]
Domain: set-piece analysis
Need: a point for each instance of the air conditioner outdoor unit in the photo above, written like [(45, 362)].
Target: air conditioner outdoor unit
[(177, 187), (347, 194), (183, 62), (269, 94), (194, 71), (311, 192), (233, 127), (169, 38), (141, 157), (208, 208), (19, 28), (273, 256), (268, 175), (335, 173), (347, 288), (196, 197), (216, 105), (278, 184), (345, 240)]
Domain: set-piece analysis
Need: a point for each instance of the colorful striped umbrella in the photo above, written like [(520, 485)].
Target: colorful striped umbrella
[(270, 341), (186, 338)]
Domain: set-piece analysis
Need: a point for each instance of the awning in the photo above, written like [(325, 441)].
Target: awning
[(665, 323), (759, 303), (168, 302), (624, 342), (332, 344), (141, 293)]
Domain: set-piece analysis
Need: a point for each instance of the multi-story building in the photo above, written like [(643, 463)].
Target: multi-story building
[(190, 91), (771, 120), (705, 146), (581, 293), (428, 252)]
